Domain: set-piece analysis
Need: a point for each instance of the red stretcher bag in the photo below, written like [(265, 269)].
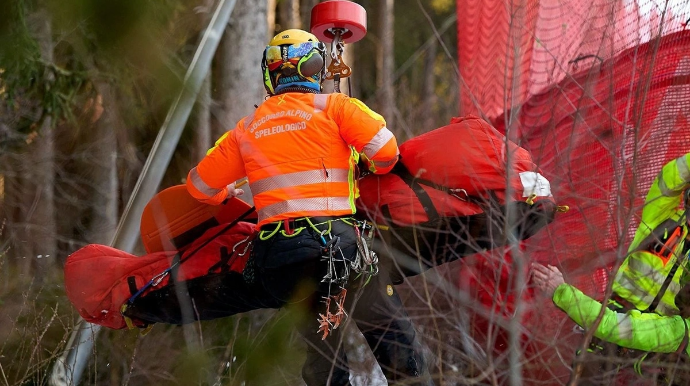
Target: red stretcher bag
[(100, 279), (452, 171)]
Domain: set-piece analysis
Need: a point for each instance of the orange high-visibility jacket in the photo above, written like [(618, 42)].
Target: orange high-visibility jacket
[(299, 152)]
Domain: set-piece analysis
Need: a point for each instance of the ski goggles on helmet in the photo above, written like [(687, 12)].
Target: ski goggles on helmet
[(306, 58)]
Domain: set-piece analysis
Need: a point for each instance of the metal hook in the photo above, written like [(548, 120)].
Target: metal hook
[(158, 278), (454, 193), (246, 248)]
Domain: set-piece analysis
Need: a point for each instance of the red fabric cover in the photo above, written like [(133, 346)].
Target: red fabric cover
[(405, 208), (96, 275), (467, 154)]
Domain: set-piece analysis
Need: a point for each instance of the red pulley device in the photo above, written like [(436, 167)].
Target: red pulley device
[(330, 17)]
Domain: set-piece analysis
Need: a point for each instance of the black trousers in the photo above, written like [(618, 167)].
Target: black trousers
[(291, 268), (208, 297)]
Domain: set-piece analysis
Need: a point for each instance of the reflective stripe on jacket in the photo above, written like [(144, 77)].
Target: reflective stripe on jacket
[(642, 273), (299, 152), (637, 330)]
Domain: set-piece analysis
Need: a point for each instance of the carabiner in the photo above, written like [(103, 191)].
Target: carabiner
[(454, 193)]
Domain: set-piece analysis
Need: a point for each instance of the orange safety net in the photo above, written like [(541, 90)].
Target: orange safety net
[(599, 92)]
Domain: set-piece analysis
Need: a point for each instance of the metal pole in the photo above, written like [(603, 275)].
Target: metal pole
[(69, 367)]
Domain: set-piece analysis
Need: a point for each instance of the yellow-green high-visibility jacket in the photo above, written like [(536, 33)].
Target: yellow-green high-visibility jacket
[(646, 331), (642, 274)]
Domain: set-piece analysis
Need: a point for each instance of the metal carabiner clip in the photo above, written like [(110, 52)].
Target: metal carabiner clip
[(454, 193), (246, 247), (158, 278)]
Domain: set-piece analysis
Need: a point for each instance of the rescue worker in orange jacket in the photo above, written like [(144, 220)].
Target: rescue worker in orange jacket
[(299, 150)]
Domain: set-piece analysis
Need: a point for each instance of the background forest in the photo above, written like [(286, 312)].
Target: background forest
[(85, 86)]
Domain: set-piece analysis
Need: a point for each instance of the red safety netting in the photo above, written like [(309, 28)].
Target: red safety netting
[(509, 50), (602, 103)]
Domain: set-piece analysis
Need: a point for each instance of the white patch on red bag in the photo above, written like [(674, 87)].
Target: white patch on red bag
[(535, 183)]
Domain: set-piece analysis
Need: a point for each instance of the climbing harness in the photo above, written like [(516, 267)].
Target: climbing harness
[(338, 266)]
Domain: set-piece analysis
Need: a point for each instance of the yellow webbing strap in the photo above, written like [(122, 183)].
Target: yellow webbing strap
[(128, 320), (130, 324), (145, 330)]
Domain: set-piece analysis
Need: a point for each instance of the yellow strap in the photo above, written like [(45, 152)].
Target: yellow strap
[(128, 321), (145, 330)]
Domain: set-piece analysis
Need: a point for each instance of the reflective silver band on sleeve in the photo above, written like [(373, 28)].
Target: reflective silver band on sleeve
[(683, 172), (299, 178), (248, 120), (624, 326), (385, 164), (201, 186), (663, 187), (320, 102), (645, 270), (673, 288), (305, 205), (379, 141), (664, 309), (665, 191), (683, 169), (638, 292)]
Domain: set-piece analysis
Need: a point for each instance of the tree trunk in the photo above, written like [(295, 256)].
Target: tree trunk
[(102, 169), (271, 19), (203, 139), (428, 112), (203, 136), (239, 79), (305, 12), (13, 230), (386, 63), (38, 235), (289, 14)]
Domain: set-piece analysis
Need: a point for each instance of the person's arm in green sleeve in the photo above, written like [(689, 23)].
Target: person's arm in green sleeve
[(640, 331)]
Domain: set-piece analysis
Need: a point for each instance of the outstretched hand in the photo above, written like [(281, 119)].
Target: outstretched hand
[(547, 278)]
